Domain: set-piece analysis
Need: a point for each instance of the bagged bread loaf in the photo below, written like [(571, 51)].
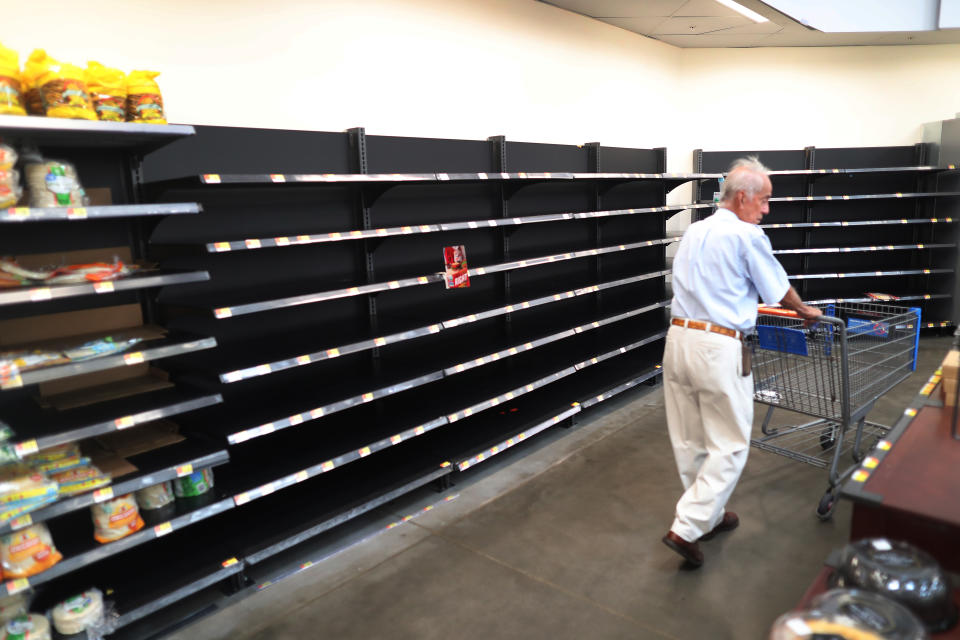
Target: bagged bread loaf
[(32, 70), (116, 519), (144, 102), (79, 613), (108, 90), (27, 552), (11, 99), (27, 627), (63, 90)]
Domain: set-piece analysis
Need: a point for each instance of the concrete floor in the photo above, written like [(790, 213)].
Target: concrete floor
[(565, 543)]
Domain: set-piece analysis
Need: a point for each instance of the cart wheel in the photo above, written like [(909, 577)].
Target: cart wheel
[(827, 503), (828, 437)]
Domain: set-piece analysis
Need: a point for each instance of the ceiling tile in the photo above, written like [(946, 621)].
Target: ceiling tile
[(642, 26), (619, 8), (705, 8), (713, 40), (754, 28), (694, 26)]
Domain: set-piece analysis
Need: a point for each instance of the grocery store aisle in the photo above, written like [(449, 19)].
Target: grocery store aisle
[(565, 543)]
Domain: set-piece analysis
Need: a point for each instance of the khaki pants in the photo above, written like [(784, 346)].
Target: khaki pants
[(709, 416)]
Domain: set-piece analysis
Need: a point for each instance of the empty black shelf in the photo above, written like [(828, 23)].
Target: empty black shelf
[(62, 132), (868, 196), (44, 214), (37, 428), (869, 274), (886, 247), (855, 223), (166, 347), (21, 295), (850, 171), (339, 236)]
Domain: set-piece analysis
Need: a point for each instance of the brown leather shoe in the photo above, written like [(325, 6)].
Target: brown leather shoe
[(690, 551), (729, 522)]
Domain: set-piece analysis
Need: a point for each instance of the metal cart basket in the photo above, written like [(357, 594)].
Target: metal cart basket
[(834, 371)]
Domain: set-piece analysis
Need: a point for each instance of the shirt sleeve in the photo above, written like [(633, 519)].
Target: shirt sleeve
[(765, 270)]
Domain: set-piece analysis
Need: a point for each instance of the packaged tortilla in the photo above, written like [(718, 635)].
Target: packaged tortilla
[(116, 519), (63, 90), (8, 157), (56, 452), (27, 552), (195, 484), (32, 71), (144, 102), (19, 484), (80, 479), (155, 497), (78, 613), (108, 90), (11, 99), (53, 183), (29, 626), (12, 606)]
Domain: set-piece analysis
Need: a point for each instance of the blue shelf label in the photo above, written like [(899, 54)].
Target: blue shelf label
[(782, 339)]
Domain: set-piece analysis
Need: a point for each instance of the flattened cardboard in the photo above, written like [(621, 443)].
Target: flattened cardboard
[(141, 439), (136, 379)]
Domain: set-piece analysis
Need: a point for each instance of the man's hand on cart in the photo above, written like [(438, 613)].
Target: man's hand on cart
[(809, 314)]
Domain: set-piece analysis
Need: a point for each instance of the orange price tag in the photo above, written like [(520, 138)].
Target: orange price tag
[(102, 495), (212, 178), (184, 470), (124, 423), (77, 213), (278, 177), (21, 522), (103, 287), (162, 529), (133, 358), (229, 562)]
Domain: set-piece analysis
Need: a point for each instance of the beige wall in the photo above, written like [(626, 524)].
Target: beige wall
[(530, 71)]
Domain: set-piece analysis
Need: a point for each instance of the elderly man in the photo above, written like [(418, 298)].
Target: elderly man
[(723, 264)]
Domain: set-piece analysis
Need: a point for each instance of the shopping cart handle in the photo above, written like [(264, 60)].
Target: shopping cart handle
[(777, 311)]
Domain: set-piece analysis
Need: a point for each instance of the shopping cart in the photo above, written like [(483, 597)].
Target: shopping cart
[(834, 371)]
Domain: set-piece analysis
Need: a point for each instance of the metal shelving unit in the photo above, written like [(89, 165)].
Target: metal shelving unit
[(818, 216), (88, 398)]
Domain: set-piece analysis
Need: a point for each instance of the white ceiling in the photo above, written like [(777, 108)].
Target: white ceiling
[(706, 23)]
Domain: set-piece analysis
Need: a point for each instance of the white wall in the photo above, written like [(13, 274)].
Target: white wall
[(826, 97), (521, 68), (431, 68)]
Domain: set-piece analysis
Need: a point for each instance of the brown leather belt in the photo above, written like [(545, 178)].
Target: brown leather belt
[(706, 326)]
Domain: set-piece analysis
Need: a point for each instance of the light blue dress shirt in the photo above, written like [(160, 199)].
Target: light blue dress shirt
[(722, 267)]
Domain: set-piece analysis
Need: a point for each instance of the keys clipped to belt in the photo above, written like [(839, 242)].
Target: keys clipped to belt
[(746, 358)]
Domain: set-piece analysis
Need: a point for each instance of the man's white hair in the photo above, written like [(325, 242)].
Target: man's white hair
[(746, 174)]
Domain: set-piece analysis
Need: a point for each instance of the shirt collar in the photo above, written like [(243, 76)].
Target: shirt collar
[(725, 213)]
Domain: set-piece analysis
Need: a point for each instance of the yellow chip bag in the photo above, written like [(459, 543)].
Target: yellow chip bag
[(64, 91), (11, 100), (144, 102), (108, 90)]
